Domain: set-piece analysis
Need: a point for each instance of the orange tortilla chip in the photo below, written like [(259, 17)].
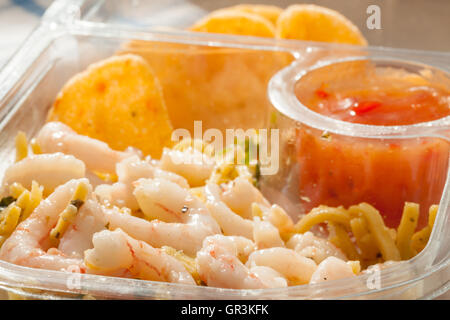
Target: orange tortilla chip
[(223, 87), (314, 23), (235, 22), (268, 12), (119, 101)]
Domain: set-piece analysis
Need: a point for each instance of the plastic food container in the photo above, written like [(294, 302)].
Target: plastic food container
[(74, 34)]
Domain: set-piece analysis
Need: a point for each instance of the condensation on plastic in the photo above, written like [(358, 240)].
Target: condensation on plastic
[(72, 35)]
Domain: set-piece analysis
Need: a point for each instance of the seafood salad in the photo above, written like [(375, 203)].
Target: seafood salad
[(73, 202), (143, 219)]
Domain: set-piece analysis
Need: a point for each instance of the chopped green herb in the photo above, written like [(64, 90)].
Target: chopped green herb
[(77, 203), (6, 201)]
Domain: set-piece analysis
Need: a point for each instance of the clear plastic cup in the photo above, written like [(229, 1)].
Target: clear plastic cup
[(333, 162)]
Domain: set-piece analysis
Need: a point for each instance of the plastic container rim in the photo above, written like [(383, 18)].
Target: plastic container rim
[(282, 96)]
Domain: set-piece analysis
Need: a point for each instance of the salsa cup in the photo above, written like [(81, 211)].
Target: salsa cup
[(334, 162)]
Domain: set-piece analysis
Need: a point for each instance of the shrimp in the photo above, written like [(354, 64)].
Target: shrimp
[(49, 170), (231, 223), (278, 218), (29, 244), (115, 250), (78, 237), (97, 155), (191, 164), (128, 171), (332, 268), (240, 195), (270, 277), (266, 235), (180, 220), (294, 267), (219, 264), (318, 249)]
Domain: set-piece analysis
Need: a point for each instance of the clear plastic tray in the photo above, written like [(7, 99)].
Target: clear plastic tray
[(74, 34)]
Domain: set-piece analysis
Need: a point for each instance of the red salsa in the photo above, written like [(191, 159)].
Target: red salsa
[(337, 170)]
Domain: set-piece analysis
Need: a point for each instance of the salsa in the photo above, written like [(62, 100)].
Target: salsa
[(339, 170), (383, 105)]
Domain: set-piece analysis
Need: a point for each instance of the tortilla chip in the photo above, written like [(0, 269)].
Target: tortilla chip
[(314, 23), (269, 12), (119, 101), (226, 88), (235, 22)]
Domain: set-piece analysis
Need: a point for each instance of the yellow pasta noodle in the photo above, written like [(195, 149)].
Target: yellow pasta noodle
[(10, 218), (35, 147), (340, 238), (420, 239), (406, 230), (29, 200), (21, 146), (371, 253), (16, 190), (23, 201), (323, 214), (379, 231), (65, 219), (364, 239), (355, 265), (69, 214)]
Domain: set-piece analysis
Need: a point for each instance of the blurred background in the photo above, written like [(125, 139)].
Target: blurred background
[(17, 19), (414, 24)]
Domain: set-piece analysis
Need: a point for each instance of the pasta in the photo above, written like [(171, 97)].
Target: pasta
[(21, 146), (406, 230), (372, 241), (341, 240), (420, 239), (69, 214), (376, 226), (322, 214)]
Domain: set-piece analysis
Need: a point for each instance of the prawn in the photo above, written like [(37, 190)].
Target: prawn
[(332, 268), (231, 223), (318, 249), (97, 155), (240, 195), (179, 219), (29, 244), (266, 235), (191, 164), (115, 250), (78, 237), (128, 171), (294, 267), (220, 264), (49, 170)]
